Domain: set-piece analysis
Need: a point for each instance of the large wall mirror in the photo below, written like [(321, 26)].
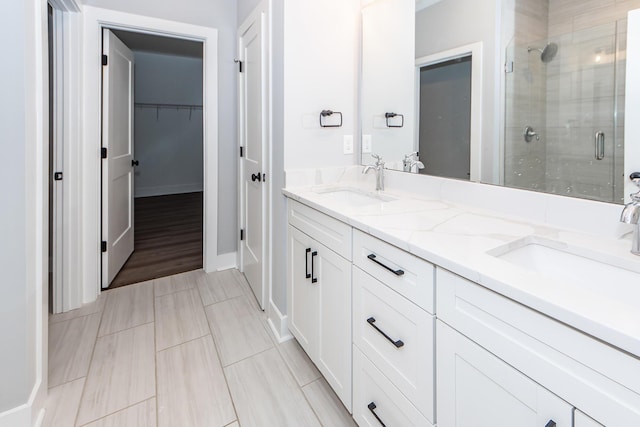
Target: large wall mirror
[(523, 93)]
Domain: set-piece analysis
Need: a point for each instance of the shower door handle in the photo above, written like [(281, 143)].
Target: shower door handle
[(599, 143)]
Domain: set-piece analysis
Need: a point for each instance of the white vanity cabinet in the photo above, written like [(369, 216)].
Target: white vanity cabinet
[(475, 388), (504, 354), (393, 336), (319, 293)]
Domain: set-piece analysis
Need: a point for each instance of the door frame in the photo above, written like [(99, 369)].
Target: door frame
[(261, 12), (66, 57), (94, 19)]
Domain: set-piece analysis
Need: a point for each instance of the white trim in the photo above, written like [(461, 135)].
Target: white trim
[(58, 163), (164, 190), (226, 261), (94, 19), (65, 5), (632, 105), (475, 51), (72, 148), (423, 4), (278, 323)]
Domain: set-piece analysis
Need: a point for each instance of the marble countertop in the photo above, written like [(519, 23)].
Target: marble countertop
[(459, 238)]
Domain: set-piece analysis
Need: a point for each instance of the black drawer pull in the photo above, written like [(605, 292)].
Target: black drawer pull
[(314, 279), (551, 423), (306, 263), (372, 322), (398, 272), (372, 407)]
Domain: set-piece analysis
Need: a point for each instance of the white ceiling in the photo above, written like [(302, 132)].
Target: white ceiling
[(141, 42)]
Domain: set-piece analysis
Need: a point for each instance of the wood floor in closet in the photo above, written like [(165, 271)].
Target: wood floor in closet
[(168, 238)]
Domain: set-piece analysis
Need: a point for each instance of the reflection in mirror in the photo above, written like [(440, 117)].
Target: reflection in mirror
[(444, 127), (553, 91), (563, 121)]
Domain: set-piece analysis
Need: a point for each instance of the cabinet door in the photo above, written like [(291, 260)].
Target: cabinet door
[(475, 388), (334, 345), (582, 420), (302, 294)]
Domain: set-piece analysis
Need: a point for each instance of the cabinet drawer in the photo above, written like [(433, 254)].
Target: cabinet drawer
[(374, 393), (334, 234), (397, 336), (589, 374), (404, 273)]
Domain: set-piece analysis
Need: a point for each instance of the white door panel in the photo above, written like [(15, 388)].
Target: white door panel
[(253, 136), (117, 169)]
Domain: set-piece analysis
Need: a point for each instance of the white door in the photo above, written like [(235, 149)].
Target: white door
[(117, 168), (253, 136)]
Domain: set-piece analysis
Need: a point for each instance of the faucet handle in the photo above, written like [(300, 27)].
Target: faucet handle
[(411, 155), (378, 159)]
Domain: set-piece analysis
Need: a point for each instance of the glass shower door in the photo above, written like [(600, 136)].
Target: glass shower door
[(564, 89)]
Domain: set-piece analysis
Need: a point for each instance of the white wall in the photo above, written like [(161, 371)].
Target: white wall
[(14, 373), (453, 23), (222, 15), (168, 142), (23, 212), (321, 52)]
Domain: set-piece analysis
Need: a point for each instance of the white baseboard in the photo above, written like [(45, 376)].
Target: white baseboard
[(226, 261), (278, 323), (164, 190), (22, 416)]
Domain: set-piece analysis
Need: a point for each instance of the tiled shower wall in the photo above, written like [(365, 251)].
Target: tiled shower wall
[(579, 97), (525, 163)]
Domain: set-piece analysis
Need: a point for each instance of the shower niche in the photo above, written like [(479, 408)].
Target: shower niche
[(564, 101)]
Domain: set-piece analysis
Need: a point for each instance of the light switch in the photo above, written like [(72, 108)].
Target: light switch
[(348, 144), (366, 144)]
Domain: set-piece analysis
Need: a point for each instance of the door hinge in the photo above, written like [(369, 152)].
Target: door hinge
[(508, 67), (103, 246), (103, 153), (241, 151), (241, 234), (57, 176), (105, 59)]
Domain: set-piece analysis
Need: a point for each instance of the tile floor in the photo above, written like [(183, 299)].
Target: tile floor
[(187, 350)]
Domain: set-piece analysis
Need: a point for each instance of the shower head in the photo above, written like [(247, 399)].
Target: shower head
[(547, 53)]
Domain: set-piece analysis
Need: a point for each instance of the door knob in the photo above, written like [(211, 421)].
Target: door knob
[(134, 163), (256, 177)]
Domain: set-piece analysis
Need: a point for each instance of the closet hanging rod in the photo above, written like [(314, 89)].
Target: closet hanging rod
[(178, 106)]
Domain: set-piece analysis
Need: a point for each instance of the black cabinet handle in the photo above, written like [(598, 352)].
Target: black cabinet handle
[(398, 272), (256, 177), (372, 407), (306, 263), (551, 423), (314, 279), (135, 163), (372, 322)]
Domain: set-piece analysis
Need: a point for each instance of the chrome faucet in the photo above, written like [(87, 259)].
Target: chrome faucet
[(631, 214), (378, 168), (411, 160)]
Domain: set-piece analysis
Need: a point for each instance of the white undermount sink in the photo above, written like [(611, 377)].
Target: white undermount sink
[(583, 268), (354, 197)]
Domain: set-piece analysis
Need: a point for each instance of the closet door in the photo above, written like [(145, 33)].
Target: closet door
[(117, 167)]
